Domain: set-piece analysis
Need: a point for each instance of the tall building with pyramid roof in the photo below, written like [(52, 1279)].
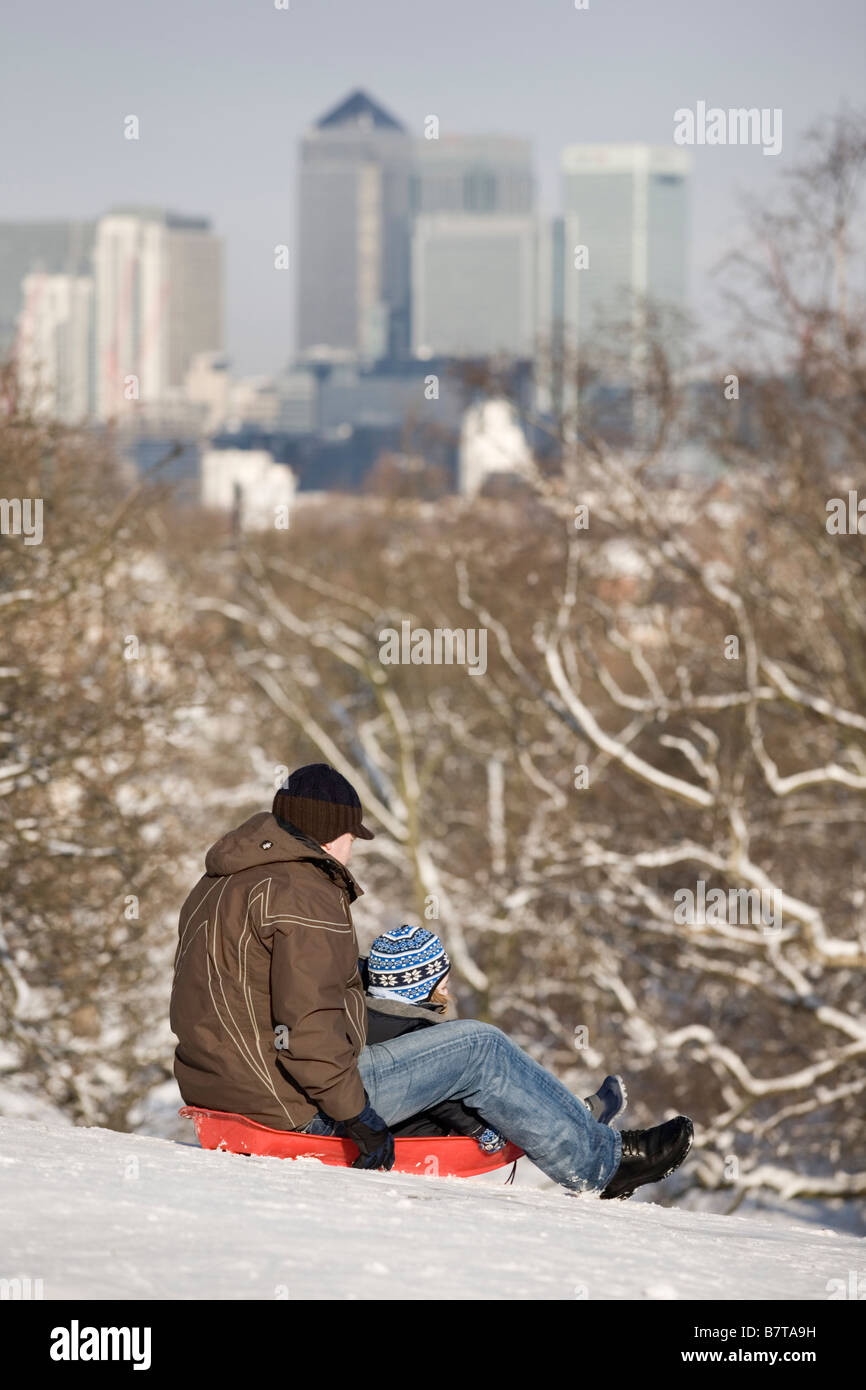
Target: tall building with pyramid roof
[(359, 110), (353, 234)]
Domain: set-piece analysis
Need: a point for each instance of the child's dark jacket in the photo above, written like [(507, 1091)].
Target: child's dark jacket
[(391, 1018)]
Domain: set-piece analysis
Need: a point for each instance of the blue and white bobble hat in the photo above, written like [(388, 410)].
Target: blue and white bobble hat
[(407, 961)]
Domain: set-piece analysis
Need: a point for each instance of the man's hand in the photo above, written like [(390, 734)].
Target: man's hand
[(373, 1137)]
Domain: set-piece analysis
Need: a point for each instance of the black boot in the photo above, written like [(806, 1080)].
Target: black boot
[(648, 1155)]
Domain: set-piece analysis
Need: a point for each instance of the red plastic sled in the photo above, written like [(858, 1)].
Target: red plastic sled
[(445, 1156)]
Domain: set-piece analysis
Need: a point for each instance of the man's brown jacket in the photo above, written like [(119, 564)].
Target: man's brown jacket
[(267, 1002)]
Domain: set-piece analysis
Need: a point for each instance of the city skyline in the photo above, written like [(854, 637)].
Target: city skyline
[(407, 248), (221, 124)]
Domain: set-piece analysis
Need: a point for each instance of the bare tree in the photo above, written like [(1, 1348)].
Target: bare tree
[(87, 710)]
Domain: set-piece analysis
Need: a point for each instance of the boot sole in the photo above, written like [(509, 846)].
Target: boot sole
[(680, 1160)]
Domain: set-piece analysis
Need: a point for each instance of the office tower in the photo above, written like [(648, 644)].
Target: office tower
[(54, 345), (553, 235), (627, 205), (472, 246), (353, 235), (158, 304), (474, 174), (473, 290), (55, 248)]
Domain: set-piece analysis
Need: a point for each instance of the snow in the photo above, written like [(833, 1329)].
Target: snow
[(97, 1214)]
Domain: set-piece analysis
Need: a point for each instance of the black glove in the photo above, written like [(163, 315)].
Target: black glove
[(373, 1137)]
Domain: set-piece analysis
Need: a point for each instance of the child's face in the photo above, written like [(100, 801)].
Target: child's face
[(442, 985)]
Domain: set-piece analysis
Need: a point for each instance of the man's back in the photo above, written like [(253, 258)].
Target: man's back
[(267, 1002)]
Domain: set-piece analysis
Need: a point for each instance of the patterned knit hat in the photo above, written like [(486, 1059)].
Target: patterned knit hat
[(409, 961)]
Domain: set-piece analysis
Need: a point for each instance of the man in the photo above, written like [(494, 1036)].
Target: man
[(270, 1015)]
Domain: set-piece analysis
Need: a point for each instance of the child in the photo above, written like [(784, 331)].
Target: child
[(406, 979)]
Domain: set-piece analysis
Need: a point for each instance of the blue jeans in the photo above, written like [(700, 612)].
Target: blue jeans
[(479, 1064)]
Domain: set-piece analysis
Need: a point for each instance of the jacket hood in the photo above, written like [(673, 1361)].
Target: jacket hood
[(264, 840)]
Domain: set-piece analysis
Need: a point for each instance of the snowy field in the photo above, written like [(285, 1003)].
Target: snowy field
[(96, 1214)]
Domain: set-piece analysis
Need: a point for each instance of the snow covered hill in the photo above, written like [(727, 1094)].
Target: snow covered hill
[(97, 1214)]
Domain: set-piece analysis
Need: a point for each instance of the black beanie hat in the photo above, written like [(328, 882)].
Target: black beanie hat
[(319, 801)]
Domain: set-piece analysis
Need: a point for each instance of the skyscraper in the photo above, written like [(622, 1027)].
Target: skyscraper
[(54, 346), (626, 224), (54, 248), (158, 303), (473, 174), (353, 235), (473, 290), (472, 246)]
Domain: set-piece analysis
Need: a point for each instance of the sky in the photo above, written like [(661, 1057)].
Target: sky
[(224, 89)]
